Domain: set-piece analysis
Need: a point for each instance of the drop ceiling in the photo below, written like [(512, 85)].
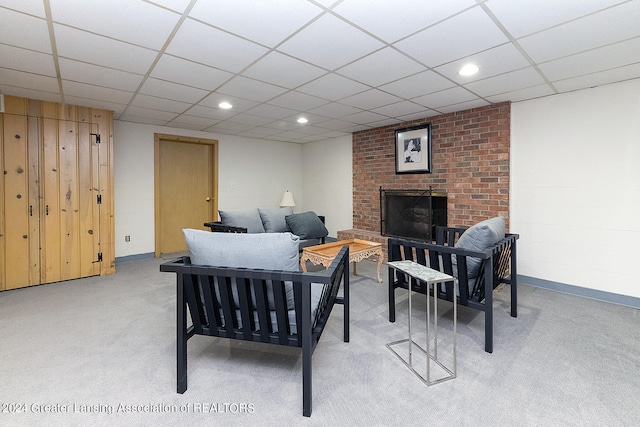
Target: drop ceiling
[(345, 65)]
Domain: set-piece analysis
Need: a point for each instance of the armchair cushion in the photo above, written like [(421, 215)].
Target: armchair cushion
[(480, 237), (306, 225), (249, 219), (273, 220), (270, 251)]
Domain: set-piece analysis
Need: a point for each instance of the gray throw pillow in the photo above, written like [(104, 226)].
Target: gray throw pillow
[(270, 251), (273, 220), (249, 219), (480, 237), (307, 225)]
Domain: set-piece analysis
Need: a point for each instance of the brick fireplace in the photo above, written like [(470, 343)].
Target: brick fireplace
[(470, 165)]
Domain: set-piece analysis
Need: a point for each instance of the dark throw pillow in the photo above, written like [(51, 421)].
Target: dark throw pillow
[(306, 225)]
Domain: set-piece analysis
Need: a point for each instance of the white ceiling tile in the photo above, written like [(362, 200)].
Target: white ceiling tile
[(204, 60), (229, 126), (467, 105), (522, 94), (392, 20), (189, 73), (100, 76), (332, 87), (243, 87), (83, 90), (282, 70), (513, 81), (20, 59), (426, 113), (246, 18), (201, 43), (599, 78), (499, 60), (7, 88), (12, 31), (168, 90), (271, 111), (28, 80), (334, 110), (386, 122), (330, 43), (249, 119), (370, 99), (401, 108), (610, 26), (464, 34), (93, 103), (165, 116), (211, 113), (282, 125), (98, 50), (454, 95), (417, 85), (531, 16), (261, 132), (139, 119), (239, 104), (32, 7), (381, 67), (200, 122), (161, 104), (177, 5), (135, 22), (311, 130), (593, 61), (297, 101), (365, 117)]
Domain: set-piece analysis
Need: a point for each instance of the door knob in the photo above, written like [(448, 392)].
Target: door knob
[(208, 199)]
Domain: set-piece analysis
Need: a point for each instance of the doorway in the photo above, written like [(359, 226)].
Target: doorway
[(186, 188)]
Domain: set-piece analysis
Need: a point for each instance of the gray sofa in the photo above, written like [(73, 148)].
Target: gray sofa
[(308, 226)]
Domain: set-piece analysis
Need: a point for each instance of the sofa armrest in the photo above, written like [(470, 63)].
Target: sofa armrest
[(217, 227)]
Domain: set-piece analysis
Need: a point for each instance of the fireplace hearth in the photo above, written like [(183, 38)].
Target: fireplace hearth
[(412, 214)]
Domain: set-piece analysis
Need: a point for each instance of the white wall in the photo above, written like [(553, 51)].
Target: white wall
[(252, 173), (327, 182), (575, 187)]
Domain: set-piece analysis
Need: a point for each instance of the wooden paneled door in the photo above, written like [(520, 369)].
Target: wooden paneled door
[(56, 208), (186, 188)]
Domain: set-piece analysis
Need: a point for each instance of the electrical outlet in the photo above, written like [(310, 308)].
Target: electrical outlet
[(127, 238)]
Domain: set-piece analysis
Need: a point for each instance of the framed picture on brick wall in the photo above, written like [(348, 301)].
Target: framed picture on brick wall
[(413, 149)]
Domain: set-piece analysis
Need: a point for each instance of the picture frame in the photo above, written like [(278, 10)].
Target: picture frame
[(413, 149)]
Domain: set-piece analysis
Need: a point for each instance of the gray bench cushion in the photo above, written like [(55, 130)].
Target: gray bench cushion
[(249, 219), (273, 220)]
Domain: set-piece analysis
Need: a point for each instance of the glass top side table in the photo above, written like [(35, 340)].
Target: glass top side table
[(431, 277)]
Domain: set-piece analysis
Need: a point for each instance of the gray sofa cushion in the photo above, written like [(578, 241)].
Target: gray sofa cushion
[(307, 225), (273, 220), (270, 251), (249, 219), (480, 237)]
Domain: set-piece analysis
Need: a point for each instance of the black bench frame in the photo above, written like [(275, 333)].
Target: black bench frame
[(218, 227), (196, 291), (498, 265)]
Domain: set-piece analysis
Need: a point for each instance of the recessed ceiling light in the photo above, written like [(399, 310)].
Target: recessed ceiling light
[(225, 105), (468, 70), (302, 120)]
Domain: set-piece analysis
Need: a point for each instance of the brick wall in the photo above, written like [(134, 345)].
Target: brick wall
[(470, 163)]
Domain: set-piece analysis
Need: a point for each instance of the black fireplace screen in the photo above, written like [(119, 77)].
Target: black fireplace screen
[(412, 214)]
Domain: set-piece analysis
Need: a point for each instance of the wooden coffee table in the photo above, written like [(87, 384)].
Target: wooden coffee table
[(325, 254)]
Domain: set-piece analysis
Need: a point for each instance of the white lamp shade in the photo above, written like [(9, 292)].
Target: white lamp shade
[(287, 199)]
